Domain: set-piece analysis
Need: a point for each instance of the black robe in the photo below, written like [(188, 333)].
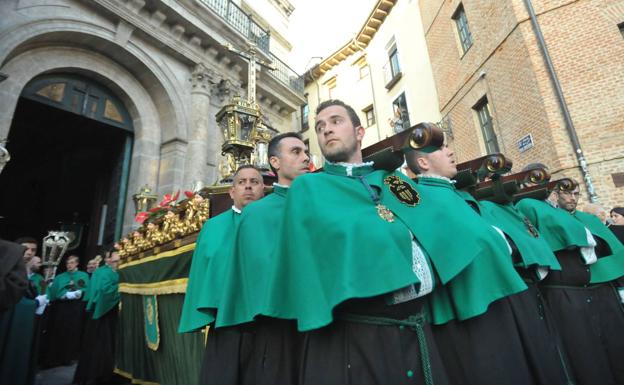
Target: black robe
[(63, 331), (97, 353), (590, 321)]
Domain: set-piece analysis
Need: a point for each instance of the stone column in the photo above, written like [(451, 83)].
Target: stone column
[(203, 134)]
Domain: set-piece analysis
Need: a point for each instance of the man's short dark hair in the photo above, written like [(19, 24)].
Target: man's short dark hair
[(355, 119), (410, 160), (274, 145), (244, 166), (22, 240)]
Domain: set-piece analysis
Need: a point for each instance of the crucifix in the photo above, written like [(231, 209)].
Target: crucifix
[(251, 59)]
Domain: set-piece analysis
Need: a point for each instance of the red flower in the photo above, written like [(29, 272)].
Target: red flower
[(169, 199), (141, 217), (189, 194)]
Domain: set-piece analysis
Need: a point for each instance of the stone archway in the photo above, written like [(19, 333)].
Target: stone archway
[(143, 111)]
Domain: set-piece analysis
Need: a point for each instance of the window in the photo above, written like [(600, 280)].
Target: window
[(392, 69), (331, 86), (362, 67), (465, 38), (369, 113), (305, 113), (485, 121), (400, 120)]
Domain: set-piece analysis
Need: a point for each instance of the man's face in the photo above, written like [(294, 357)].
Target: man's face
[(618, 219), (338, 139), (91, 266), (31, 250), (247, 187), (113, 260), (291, 161), (35, 264), (568, 200), (71, 264), (440, 162)]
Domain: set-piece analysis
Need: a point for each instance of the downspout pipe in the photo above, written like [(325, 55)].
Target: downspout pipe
[(562, 103)]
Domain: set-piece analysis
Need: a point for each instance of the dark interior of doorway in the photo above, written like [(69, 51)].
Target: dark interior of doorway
[(64, 167)]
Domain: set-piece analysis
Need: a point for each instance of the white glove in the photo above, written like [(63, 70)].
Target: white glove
[(70, 295), (78, 294), (42, 301), (621, 293)]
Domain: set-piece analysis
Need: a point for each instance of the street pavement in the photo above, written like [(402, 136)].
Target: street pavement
[(61, 375)]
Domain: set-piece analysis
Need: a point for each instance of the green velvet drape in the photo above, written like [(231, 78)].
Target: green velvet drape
[(178, 358)]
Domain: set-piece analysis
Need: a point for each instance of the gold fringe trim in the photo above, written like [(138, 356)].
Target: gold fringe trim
[(132, 379), (164, 254), (173, 286)]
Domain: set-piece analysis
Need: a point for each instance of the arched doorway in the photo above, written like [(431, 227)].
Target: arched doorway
[(70, 143)]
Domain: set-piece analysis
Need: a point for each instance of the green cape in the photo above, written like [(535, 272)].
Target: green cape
[(334, 246), (104, 293), (212, 253), (490, 274), (557, 226), (67, 281), (37, 281), (322, 259), (609, 267), (245, 285), (533, 250)]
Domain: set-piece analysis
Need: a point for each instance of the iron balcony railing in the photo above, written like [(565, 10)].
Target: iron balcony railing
[(286, 74), (244, 24), (241, 22)]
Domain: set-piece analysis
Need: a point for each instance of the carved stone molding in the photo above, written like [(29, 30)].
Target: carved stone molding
[(204, 79)]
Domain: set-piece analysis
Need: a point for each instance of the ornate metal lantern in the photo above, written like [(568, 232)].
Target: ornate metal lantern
[(55, 245), (238, 121), (261, 153), (144, 199)]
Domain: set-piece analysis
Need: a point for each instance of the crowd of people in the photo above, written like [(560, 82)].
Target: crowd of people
[(49, 320), (356, 275)]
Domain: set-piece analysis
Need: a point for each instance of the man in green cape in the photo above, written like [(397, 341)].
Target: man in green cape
[(66, 314), (607, 274), (574, 301), (213, 251), (97, 355), (269, 345), (494, 347), (34, 277), (348, 268)]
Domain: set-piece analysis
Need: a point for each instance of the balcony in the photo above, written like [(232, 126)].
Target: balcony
[(240, 21), (244, 24), (286, 75)]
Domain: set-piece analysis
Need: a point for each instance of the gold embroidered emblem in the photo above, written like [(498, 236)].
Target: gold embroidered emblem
[(385, 213), (402, 190)]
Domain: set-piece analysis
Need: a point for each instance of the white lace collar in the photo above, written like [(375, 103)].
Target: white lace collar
[(350, 166), (435, 176), (235, 209)]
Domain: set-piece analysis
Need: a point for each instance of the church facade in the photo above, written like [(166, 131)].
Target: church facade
[(153, 73)]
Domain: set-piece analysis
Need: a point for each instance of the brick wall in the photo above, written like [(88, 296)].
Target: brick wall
[(587, 50)]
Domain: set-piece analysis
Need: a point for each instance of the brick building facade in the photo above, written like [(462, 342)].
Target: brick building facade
[(494, 86)]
